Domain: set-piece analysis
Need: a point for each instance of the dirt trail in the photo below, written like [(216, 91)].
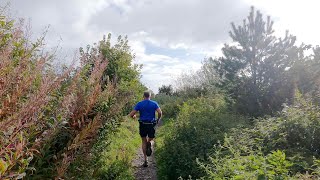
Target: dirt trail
[(143, 173)]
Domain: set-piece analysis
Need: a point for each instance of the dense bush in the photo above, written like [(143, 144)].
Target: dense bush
[(252, 165), (201, 123), (278, 148), (50, 116)]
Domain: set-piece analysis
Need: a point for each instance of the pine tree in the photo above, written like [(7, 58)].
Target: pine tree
[(254, 68)]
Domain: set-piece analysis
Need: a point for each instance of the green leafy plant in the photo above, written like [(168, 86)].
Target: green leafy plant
[(201, 123)]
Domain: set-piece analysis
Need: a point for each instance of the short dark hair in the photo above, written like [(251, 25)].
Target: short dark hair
[(146, 94)]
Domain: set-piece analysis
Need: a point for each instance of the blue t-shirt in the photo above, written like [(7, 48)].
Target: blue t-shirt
[(147, 110)]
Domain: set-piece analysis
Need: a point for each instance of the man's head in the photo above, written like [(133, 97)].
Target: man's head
[(147, 95)]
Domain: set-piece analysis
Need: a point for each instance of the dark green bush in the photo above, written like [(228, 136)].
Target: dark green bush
[(201, 123)]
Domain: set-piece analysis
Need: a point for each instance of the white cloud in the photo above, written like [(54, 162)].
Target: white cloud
[(178, 46), (194, 29), (194, 26), (299, 17), (161, 69), (185, 22)]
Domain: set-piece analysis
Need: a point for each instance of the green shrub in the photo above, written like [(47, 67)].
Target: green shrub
[(283, 147), (201, 123), (229, 162)]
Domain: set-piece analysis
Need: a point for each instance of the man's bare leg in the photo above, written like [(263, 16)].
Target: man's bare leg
[(144, 147), (149, 139), (149, 146)]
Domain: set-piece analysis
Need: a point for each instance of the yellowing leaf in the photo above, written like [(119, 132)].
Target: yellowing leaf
[(3, 166)]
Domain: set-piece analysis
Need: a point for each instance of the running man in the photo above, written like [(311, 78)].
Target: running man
[(147, 122)]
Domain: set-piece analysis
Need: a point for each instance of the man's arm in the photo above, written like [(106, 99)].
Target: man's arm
[(133, 114), (159, 114)]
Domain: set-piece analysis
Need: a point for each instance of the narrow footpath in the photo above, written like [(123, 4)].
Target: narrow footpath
[(144, 173)]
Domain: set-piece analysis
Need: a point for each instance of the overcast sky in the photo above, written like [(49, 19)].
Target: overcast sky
[(169, 37)]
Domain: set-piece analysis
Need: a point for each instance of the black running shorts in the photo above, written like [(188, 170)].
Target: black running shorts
[(147, 130)]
